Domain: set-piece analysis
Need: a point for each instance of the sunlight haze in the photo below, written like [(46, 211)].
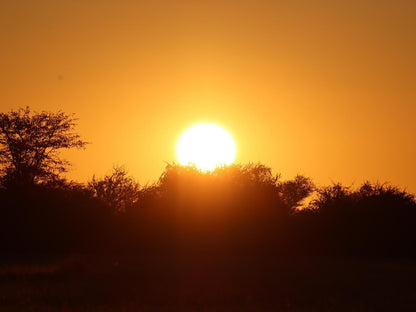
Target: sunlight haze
[(206, 146)]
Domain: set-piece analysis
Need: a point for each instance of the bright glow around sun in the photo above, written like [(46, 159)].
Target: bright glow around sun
[(207, 146)]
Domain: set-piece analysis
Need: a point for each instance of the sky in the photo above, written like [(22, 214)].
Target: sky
[(321, 88)]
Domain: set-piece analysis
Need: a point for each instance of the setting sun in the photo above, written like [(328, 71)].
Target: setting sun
[(207, 146)]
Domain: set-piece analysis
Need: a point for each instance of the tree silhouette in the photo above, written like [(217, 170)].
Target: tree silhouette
[(295, 191), (118, 190), (30, 145)]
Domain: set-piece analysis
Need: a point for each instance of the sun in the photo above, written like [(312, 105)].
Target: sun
[(207, 146)]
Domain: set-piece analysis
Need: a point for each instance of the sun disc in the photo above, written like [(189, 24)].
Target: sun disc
[(207, 146)]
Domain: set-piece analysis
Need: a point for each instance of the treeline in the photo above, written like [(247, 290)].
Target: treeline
[(231, 210), (240, 209)]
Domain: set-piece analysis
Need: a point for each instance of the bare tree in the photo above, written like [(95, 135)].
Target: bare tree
[(30, 144)]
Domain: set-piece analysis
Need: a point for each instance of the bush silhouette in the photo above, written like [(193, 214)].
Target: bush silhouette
[(118, 190), (374, 219)]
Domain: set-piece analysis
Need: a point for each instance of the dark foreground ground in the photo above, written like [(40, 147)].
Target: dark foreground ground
[(120, 283)]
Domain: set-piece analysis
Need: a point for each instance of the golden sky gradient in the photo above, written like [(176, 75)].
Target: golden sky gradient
[(322, 88)]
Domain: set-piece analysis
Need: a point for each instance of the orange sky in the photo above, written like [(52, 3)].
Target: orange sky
[(323, 88)]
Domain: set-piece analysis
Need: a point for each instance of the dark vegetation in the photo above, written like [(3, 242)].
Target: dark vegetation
[(238, 209), (239, 223)]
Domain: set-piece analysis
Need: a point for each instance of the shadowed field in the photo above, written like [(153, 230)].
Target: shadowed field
[(111, 283)]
